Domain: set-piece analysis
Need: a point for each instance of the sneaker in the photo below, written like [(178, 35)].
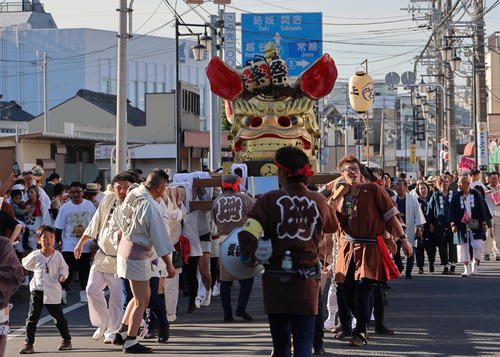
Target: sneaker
[(431, 268), (206, 299), (497, 258), (420, 270), (487, 257), (64, 297), (27, 349), (452, 269), (83, 297), (65, 345)]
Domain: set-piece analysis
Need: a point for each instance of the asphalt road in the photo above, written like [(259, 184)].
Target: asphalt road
[(432, 314)]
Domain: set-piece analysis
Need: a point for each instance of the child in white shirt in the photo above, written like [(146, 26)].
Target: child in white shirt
[(49, 269)]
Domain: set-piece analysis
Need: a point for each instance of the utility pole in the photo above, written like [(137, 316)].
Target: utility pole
[(481, 131), (450, 104), (121, 97), (215, 122), (382, 137), (346, 133), (45, 65)]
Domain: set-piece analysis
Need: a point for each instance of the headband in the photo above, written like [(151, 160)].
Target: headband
[(235, 186), (304, 171)]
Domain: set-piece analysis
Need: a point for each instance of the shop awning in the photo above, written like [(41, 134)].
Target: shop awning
[(469, 149)]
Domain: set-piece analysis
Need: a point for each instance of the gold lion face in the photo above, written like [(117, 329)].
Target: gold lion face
[(261, 125)]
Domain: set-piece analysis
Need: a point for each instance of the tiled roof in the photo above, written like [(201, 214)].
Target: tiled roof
[(135, 116), (12, 111)]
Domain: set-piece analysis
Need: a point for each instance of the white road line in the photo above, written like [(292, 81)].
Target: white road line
[(47, 318), (44, 320)]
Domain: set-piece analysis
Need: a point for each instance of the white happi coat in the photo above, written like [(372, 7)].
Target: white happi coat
[(414, 217), (141, 222), (105, 258)]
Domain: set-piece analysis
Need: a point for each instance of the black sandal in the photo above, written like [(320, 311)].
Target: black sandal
[(358, 339), (383, 331), (343, 335), (138, 348)]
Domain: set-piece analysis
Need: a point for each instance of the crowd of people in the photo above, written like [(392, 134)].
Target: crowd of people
[(139, 239)]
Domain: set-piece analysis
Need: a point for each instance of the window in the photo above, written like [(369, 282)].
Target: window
[(113, 86), (151, 87), (132, 93), (191, 102), (105, 86), (203, 91), (161, 88), (141, 95)]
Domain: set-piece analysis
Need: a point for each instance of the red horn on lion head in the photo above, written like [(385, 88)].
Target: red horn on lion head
[(224, 81), (318, 80)]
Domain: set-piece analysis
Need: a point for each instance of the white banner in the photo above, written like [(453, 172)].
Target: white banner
[(482, 145), (230, 38)]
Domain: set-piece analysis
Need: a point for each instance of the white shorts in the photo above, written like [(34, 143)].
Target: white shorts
[(206, 247), (138, 270), (215, 248)]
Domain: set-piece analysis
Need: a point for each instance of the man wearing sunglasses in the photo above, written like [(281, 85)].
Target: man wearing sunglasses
[(72, 220)]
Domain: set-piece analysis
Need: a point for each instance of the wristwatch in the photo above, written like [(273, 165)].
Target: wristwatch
[(403, 238)]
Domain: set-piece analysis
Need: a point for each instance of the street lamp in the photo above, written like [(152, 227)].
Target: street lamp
[(422, 86), (446, 53), (425, 107), (418, 100), (455, 63), (206, 41), (431, 94)]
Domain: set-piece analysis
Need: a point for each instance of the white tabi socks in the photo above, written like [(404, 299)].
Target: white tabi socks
[(475, 267)]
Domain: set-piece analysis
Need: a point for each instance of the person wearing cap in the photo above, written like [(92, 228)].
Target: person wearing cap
[(29, 181), (294, 219), (91, 192), (230, 211)]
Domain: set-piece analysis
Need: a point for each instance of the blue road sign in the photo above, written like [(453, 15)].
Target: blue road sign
[(298, 37)]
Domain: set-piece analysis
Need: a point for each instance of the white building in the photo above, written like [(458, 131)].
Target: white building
[(85, 58)]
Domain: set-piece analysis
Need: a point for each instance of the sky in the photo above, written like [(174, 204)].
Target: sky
[(381, 32)]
